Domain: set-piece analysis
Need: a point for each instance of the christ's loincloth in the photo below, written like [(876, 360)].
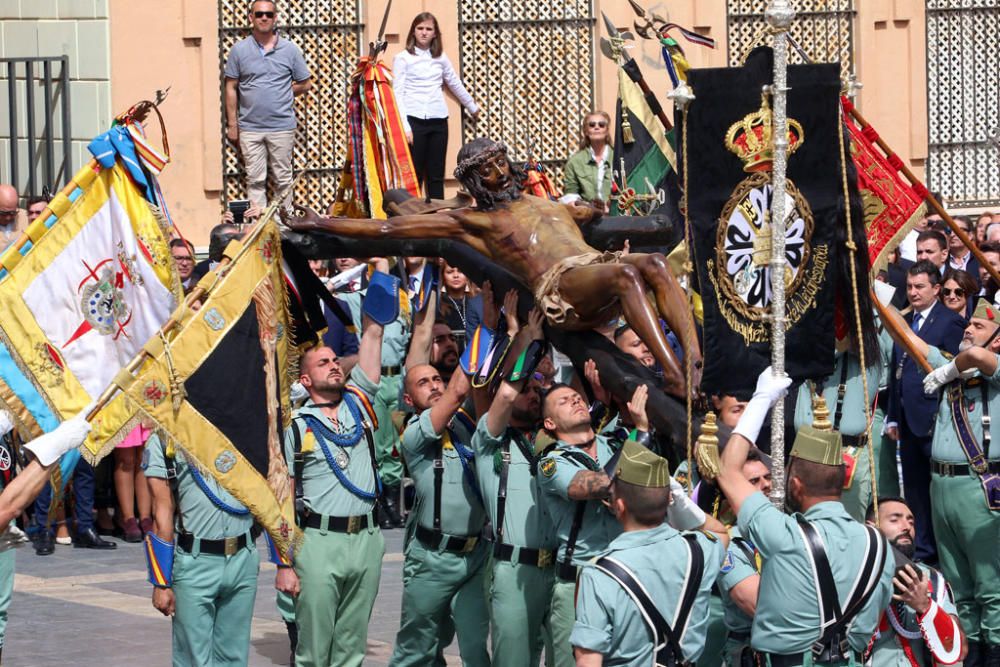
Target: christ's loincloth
[(557, 310)]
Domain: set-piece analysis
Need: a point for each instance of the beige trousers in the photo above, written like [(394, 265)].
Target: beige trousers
[(267, 156)]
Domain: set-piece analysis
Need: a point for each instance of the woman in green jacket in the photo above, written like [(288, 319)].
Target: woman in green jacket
[(588, 171)]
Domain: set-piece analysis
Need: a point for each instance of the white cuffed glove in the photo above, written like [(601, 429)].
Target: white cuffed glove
[(942, 375), (683, 513), (883, 292), (770, 389), (298, 393), (6, 422), (69, 435)]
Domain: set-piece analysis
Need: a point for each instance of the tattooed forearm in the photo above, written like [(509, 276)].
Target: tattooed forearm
[(588, 485)]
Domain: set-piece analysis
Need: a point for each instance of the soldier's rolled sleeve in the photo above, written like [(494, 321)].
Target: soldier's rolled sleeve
[(419, 434), (935, 358), (289, 446), (592, 628), (154, 461), (995, 378), (361, 381), (483, 440), (765, 525), (735, 568), (556, 477)]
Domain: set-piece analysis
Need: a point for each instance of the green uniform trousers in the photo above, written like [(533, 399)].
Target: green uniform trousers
[(214, 606), (967, 535), (858, 497), (715, 634), (886, 466), (6, 589), (437, 584), (390, 467), (520, 597), (561, 622), (339, 575), (732, 652)]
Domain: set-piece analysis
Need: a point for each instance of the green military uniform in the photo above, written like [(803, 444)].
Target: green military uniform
[(595, 530), (847, 412), (395, 341), (787, 621), (900, 627), (445, 559), (6, 579), (521, 588), (214, 594), (967, 531), (739, 565), (340, 561), (608, 619)]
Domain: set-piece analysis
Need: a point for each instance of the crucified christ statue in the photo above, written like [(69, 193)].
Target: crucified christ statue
[(539, 241)]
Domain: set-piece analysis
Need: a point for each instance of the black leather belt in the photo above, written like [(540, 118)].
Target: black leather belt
[(566, 571), (739, 635), (882, 400), (390, 371), (795, 659), (435, 539), (525, 556), (854, 440), (225, 547), (340, 524), (960, 469)]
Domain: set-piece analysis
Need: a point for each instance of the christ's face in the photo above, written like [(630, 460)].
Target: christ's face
[(495, 173)]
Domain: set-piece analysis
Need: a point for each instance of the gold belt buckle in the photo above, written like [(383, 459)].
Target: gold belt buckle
[(980, 465), (545, 558), (470, 544), (353, 524), (231, 545)]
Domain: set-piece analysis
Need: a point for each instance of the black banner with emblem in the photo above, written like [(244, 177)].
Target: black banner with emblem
[(729, 151)]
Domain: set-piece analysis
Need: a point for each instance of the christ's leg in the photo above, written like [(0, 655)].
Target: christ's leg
[(581, 286), (671, 300)]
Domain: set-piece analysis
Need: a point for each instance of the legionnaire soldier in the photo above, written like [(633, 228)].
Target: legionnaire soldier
[(523, 540), (647, 575), (331, 453), (920, 627), (965, 478), (575, 485), (444, 557), (202, 559), (825, 578)]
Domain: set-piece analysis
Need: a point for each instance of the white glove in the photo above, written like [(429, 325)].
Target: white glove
[(883, 292), (6, 422), (69, 435), (683, 513), (298, 393), (770, 389), (942, 375)]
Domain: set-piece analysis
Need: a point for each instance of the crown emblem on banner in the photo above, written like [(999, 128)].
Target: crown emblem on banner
[(751, 138)]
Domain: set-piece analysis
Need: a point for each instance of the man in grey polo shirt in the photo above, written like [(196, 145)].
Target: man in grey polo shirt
[(264, 73)]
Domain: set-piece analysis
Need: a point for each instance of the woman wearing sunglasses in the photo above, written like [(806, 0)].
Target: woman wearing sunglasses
[(588, 171), (958, 292)]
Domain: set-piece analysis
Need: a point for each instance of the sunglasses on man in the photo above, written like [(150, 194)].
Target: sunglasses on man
[(263, 15)]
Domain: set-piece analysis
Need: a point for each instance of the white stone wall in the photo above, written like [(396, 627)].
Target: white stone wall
[(78, 29)]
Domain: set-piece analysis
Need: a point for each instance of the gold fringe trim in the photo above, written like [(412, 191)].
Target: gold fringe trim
[(137, 419), (277, 468), (28, 373), (882, 262)]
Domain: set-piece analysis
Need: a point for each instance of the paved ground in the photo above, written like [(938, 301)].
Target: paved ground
[(95, 608)]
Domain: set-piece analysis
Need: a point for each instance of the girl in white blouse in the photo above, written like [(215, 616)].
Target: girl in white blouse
[(419, 75)]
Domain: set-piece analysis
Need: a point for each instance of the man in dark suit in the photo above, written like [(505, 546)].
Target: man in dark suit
[(912, 412), (959, 256)]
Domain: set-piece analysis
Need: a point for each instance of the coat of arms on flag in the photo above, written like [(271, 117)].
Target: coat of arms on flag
[(216, 384), (89, 282)]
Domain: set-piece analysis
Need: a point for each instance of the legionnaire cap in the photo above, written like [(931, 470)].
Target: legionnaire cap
[(635, 464), (819, 443), (986, 311)]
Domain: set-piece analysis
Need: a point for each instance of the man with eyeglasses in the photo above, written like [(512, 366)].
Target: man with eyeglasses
[(183, 255), (11, 222), (264, 73), (959, 255)]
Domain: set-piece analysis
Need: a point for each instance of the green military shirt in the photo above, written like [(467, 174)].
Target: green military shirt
[(599, 527), (607, 618), (395, 336), (852, 412), (945, 445), (526, 517), (887, 651), (735, 568), (199, 514), (323, 491), (462, 512), (788, 616)]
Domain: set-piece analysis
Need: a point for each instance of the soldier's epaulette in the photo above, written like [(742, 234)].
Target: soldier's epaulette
[(366, 404)]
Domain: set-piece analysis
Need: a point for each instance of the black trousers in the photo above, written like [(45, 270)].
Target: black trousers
[(430, 143), (915, 460)]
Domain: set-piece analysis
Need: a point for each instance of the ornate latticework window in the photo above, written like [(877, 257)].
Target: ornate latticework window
[(963, 100), (530, 65), (823, 28), (329, 34)]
